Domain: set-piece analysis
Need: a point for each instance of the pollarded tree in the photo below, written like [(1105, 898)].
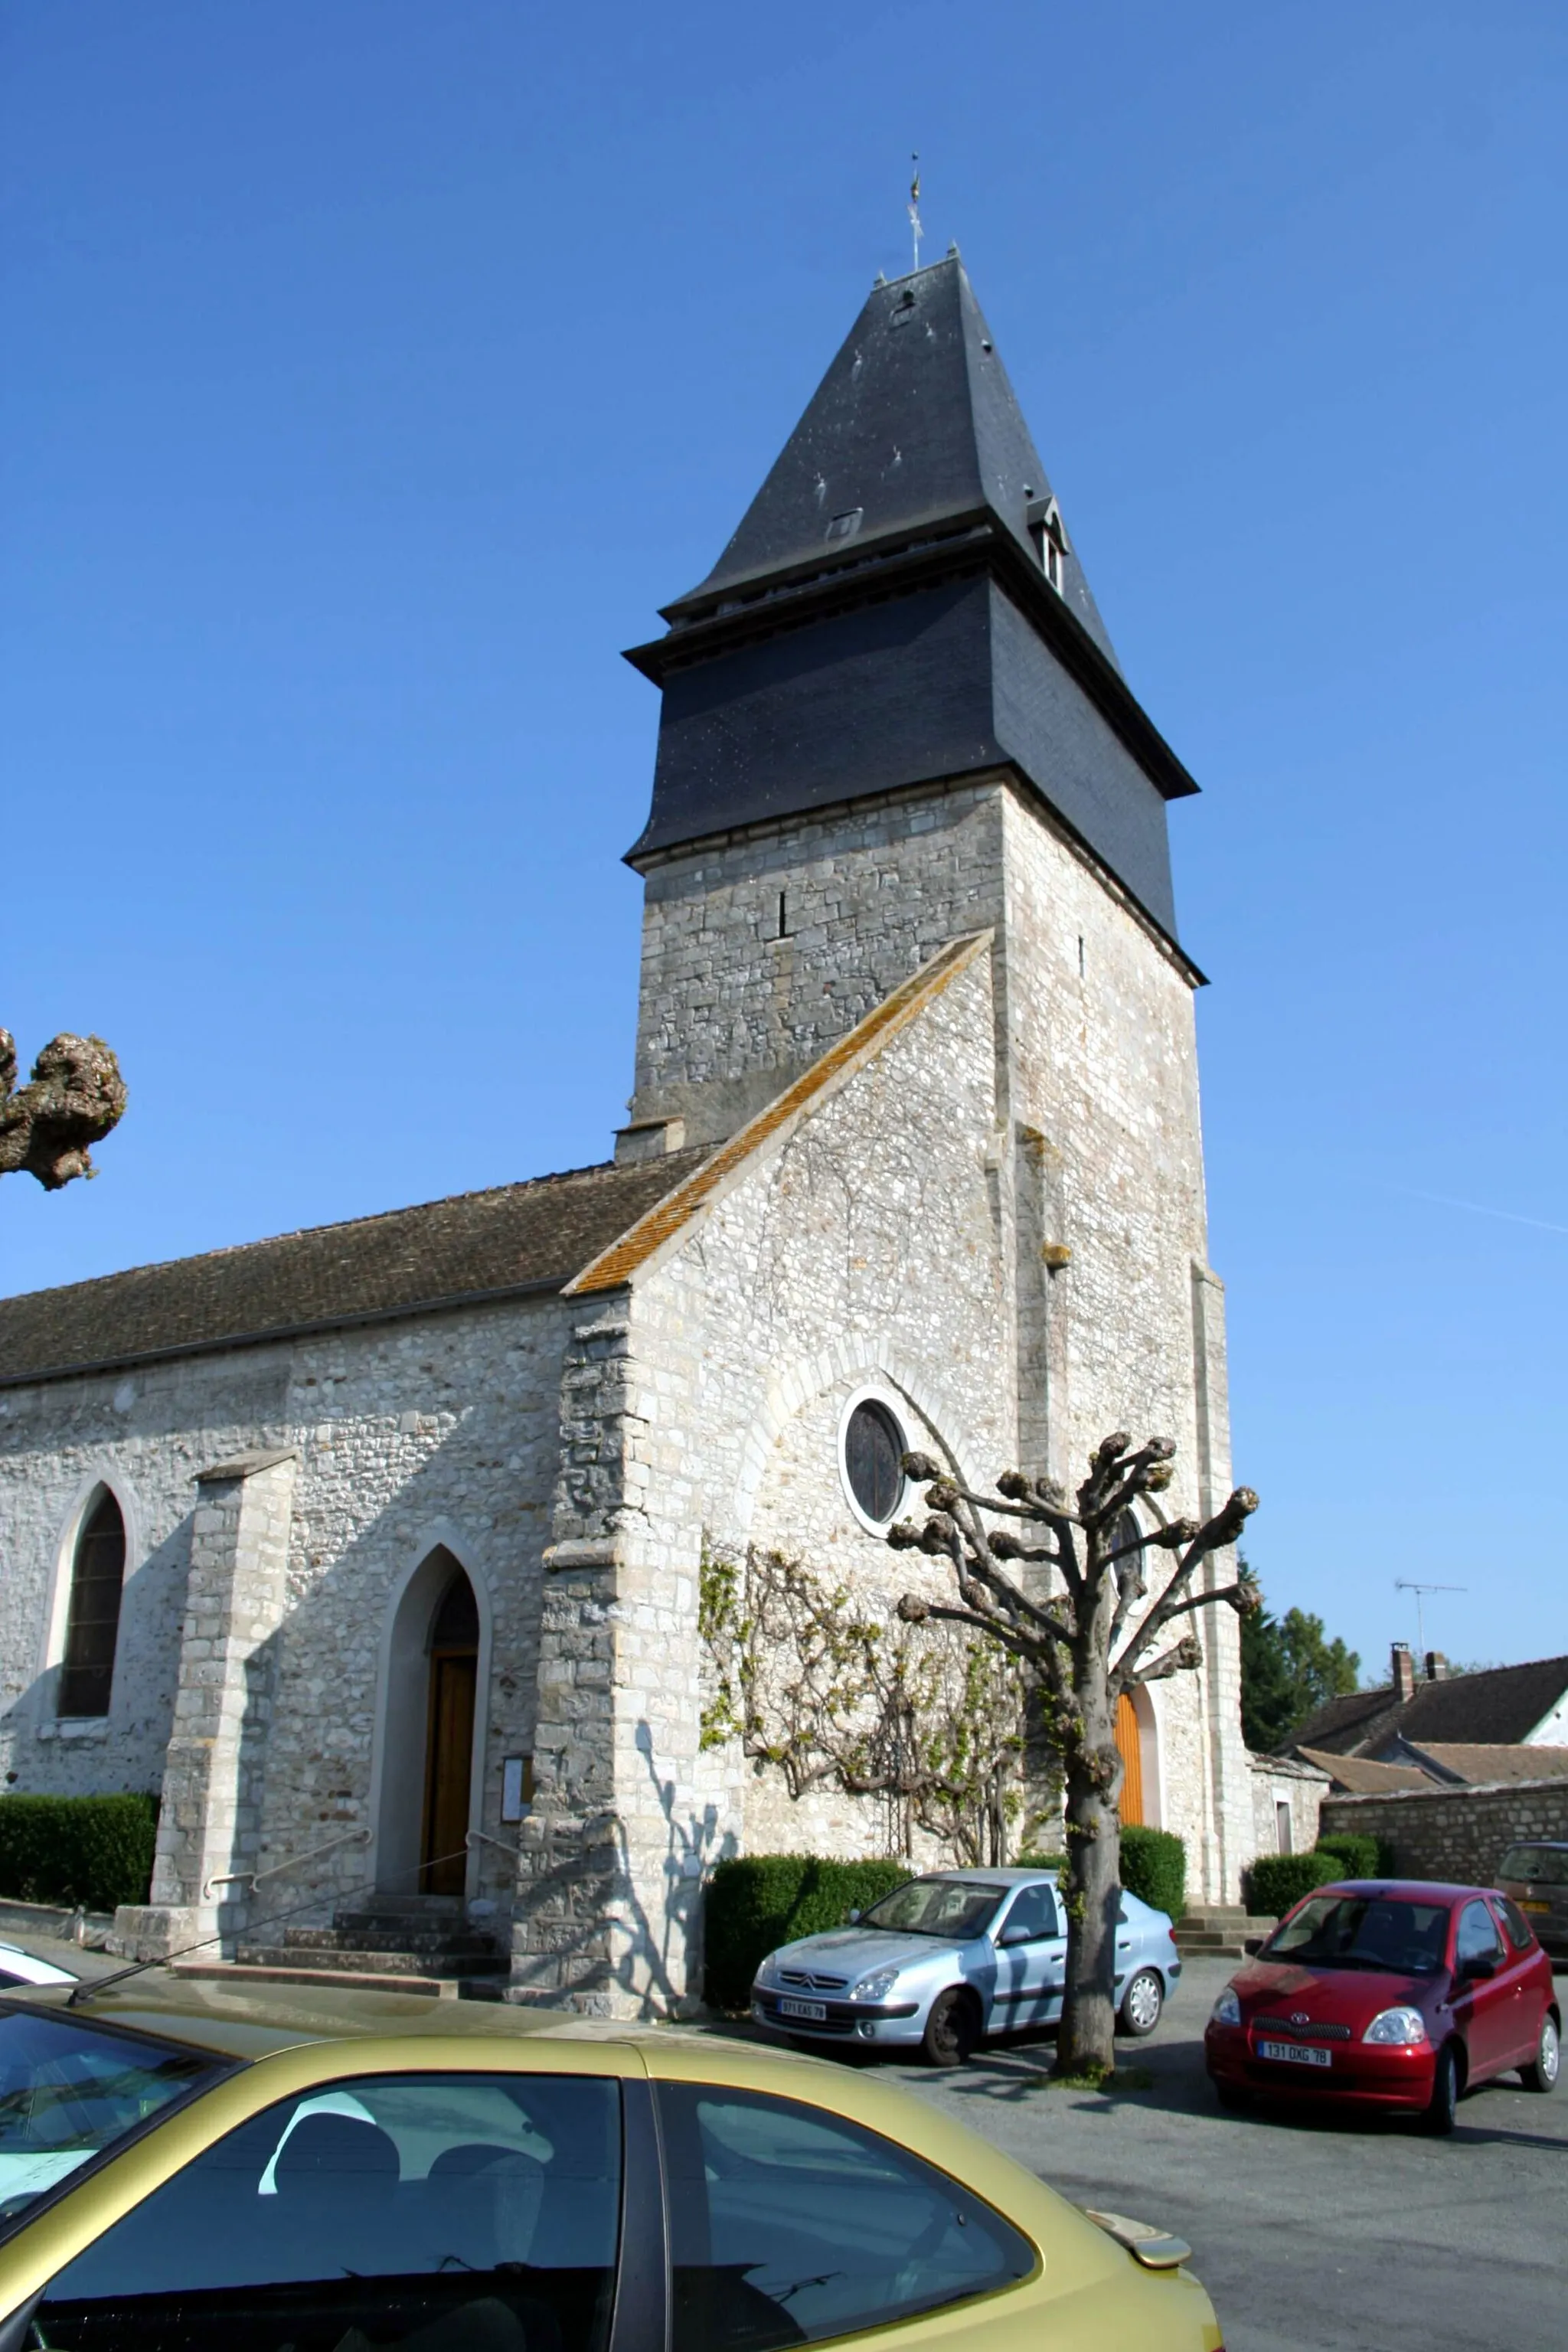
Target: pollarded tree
[(76, 1095), (1086, 1638)]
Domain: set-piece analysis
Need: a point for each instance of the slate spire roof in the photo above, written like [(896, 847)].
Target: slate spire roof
[(889, 616), (914, 423)]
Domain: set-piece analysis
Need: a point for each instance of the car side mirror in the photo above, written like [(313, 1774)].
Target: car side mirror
[(1252, 1946), (1021, 1933), (853, 1920)]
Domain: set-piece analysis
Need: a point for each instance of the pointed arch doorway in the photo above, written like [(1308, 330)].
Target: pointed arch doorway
[(426, 1778), (449, 1739)]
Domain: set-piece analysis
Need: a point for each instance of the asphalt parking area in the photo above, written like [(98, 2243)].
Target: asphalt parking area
[(1312, 2233)]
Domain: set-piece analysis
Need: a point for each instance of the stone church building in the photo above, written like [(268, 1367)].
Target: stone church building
[(375, 1549)]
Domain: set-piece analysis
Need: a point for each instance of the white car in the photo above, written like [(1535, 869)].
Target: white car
[(18, 1967)]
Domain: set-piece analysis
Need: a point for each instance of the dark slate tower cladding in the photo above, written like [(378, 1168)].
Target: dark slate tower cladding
[(902, 604)]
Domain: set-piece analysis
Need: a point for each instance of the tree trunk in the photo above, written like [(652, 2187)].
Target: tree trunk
[(1085, 2040)]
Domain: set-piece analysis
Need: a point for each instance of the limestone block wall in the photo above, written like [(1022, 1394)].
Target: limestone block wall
[(1455, 1834), (440, 1429), (730, 1012), (1095, 1141), (1300, 1788)]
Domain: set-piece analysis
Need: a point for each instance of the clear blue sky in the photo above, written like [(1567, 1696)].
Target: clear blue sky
[(374, 369)]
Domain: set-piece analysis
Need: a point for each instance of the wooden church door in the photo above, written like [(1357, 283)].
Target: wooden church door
[(449, 1740), (1131, 1747)]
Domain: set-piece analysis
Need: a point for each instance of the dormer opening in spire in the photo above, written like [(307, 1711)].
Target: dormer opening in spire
[(1049, 535)]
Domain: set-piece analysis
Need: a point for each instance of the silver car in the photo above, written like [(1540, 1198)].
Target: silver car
[(946, 1960)]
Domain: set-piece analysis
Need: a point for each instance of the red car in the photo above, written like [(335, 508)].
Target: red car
[(1393, 1994)]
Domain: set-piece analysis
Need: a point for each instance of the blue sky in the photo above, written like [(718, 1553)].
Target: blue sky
[(375, 369)]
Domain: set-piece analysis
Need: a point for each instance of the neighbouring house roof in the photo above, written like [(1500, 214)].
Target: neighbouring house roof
[(1358, 1776), (474, 1246), (1477, 1761), (1499, 1707)]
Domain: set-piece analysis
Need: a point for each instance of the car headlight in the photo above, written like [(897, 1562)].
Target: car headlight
[(1402, 2027), (1227, 2009), (768, 1974), (876, 1987)]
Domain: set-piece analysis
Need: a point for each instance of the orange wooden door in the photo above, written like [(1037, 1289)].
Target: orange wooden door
[(449, 1754), (1131, 1747)]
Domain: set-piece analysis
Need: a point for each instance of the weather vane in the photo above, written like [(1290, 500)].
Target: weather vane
[(915, 208)]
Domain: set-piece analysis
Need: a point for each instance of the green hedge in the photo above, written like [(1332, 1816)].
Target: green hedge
[(93, 1849), (1357, 1854), (1276, 1882), (757, 1901), (1154, 1867)]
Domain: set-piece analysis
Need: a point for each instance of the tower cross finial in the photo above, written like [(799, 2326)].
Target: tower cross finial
[(915, 208)]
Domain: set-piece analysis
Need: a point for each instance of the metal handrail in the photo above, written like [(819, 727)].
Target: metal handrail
[(485, 1837), (253, 1878)]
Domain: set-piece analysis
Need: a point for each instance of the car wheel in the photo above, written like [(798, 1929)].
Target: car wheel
[(1444, 2102), (950, 2031), (1542, 2071), (1142, 2003)]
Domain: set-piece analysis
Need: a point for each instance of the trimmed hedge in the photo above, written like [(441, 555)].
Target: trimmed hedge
[(755, 1902), (96, 1851), (1154, 1868), (1276, 1882), (1358, 1855)]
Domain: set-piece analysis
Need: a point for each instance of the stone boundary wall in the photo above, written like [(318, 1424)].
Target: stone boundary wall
[(1455, 1834)]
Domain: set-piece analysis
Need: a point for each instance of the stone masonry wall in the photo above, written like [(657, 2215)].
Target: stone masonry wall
[(443, 1429), (730, 1012), (1455, 1834)]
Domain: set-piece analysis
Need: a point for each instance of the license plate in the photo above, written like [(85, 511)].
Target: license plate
[(816, 2010), (1535, 1907), (1294, 2054)]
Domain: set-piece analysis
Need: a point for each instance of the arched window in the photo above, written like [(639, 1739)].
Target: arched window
[(92, 1626)]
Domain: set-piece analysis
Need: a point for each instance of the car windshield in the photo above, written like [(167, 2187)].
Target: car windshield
[(1544, 1865), (1364, 1931), (69, 2091), (952, 1908)]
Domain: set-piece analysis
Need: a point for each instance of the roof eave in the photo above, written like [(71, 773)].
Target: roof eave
[(900, 563)]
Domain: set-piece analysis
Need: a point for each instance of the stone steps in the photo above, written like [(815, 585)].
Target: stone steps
[(407, 1941), (1219, 1931)]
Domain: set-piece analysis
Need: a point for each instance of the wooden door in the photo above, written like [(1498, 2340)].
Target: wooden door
[(1131, 1746), (449, 1754)]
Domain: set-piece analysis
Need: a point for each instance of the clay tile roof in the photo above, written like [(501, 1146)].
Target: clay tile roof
[(1342, 1724), (1477, 1761), (1498, 1708), (474, 1245), (1360, 1776)]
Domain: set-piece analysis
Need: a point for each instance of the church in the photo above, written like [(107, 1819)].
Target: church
[(376, 1550)]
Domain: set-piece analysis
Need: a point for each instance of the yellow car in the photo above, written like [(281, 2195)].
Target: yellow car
[(183, 2166)]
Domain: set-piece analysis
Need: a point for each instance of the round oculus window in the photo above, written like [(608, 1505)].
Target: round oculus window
[(873, 1460)]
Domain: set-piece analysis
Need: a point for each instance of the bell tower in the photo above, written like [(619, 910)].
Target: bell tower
[(899, 636)]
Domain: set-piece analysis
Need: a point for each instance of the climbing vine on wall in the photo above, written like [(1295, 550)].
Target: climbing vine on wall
[(829, 1693)]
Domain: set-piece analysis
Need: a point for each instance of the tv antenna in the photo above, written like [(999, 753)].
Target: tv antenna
[(915, 208), (1406, 1584)]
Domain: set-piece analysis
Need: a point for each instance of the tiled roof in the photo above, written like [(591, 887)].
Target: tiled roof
[(1497, 1707), (1360, 1776), (1476, 1761), (474, 1245), (1343, 1724)]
